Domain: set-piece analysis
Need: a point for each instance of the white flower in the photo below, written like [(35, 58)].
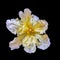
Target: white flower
[(30, 31)]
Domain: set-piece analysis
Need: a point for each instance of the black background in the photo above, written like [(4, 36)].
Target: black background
[(45, 10)]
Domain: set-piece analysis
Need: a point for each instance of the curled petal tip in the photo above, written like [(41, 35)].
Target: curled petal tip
[(20, 14)]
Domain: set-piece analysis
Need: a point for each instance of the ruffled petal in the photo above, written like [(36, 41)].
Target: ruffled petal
[(12, 25), (26, 15), (44, 41), (29, 44), (30, 50), (34, 19), (45, 23), (44, 45), (15, 44), (28, 41), (27, 11), (41, 26), (21, 14)]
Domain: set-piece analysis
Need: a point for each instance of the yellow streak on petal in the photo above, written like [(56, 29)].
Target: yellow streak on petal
[(39, 25)]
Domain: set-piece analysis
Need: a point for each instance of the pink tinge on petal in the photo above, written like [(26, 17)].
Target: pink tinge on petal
[(15, 44)]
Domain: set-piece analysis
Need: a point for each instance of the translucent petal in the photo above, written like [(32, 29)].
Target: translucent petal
[(30, 50), (45, 23), (44, 41), (41, 26), (27, 11), (28, 41), (29, 44), (15, 43), (34, 17), (21, 15), (25, 41), (12, 25), (44, 45)]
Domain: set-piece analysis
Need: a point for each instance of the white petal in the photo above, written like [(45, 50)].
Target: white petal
[(12, 25), (27, 11), (20, 14), (45, 23), (30, 50), (35, 17), (29, 45), (43, 28), (44, 41), (40, 31), (44, 45), (14, 44)]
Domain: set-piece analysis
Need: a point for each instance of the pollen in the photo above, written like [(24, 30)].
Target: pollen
[(30, 31)]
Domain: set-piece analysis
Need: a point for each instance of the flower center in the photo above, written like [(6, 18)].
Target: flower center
[(30, 31)]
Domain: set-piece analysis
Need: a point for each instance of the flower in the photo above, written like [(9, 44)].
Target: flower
[(30, 31)]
